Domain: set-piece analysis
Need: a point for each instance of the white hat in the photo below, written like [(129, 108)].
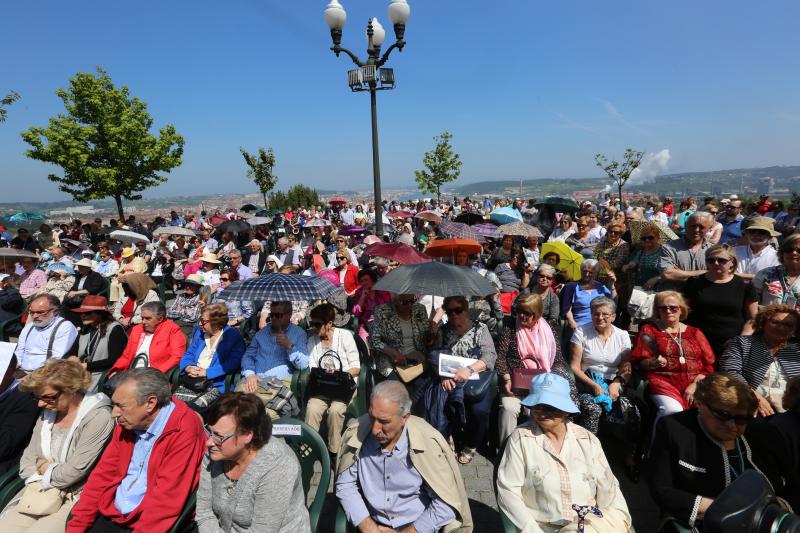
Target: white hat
[(275, 258), (209, 257), (84, 263), (3, 276)]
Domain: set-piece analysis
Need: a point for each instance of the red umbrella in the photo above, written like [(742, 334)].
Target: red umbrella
[(397, 251), (431, 216), (337, 199), (401, 214), (451, 247), (216, 220)]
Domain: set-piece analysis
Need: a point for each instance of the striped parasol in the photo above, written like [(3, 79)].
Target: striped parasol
[(460, 231), (279, 287)]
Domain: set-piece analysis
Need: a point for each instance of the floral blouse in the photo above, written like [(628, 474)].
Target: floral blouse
[(476, 343), (616, 256), (386, 329), (770, 286)]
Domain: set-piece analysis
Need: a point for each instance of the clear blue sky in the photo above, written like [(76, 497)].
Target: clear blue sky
[(529, 89)]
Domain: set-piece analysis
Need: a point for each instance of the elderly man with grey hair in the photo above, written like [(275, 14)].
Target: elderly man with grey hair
[(396, 472), (46, 335), (236, 263), (151, 465), (685, 257)]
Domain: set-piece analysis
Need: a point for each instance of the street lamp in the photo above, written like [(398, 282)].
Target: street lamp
[(369, 76)]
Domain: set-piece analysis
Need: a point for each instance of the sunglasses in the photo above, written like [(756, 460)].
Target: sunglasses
[(724, 416), (718, 260), (669, 308), (454, 311), (340, 257), (52, 398), (792, 251), (543, 276), (647, 238), (224, 279), (546, 411)]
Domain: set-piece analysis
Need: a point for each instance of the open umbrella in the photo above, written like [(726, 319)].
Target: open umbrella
[(337, 199), (128, 236), (27, 217), (279, 287), (216, 220), (401, 214), (268, 212), (174, 230), (487, 230), (558, 204), (451, 247), (397, 251), (506, 215), (355, 229), (77, 244), (638, 226), (15, 253), (469, 218), (459, 230), (234, 226), (569, 260), (437, 279), (520, 229), (257, 221), (248, 207), (317, 223), (430, 216)]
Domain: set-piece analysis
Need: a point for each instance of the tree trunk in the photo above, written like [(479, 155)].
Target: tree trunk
[(118, 200), (621, 204), (265, 200), (438, 194)]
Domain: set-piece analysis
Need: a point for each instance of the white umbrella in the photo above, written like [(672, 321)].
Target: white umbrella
[(128, 236), (13, 252), (317, 223), (257, 221), (171, 230)]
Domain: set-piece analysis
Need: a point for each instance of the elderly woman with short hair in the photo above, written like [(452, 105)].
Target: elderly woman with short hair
[(577, 295), (67, 441), (600, 359), (250, 481), (768, 358), (543, 277), (551, 464)]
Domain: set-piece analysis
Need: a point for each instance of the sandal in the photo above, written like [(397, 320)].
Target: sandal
[(466, 455)]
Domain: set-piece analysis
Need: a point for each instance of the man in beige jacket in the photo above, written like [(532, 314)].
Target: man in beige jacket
[(396, 472)]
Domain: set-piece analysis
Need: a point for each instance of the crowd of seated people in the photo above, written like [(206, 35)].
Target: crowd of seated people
[(141, 382)]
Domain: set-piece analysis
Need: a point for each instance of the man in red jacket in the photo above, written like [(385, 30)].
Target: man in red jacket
[(151, 465), (157, 342)]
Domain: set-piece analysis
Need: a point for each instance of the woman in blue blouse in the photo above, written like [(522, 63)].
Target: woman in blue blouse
[(577, 295), (215, 349)]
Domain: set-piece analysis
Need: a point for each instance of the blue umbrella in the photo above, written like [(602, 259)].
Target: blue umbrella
[(60, 267), (27, 217), (506, 215), (279, 287)]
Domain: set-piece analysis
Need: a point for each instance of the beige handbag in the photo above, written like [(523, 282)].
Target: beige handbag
[(36, 501), (409, 373)]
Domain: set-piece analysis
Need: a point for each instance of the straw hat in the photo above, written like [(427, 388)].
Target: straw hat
[(763, 224), (127, 252), (209, 257), (195, 279)]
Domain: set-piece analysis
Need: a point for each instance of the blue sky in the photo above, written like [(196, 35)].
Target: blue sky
[(529, 89)]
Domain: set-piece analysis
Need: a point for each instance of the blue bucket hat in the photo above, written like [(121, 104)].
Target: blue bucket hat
[(60, 267), (553, 390)]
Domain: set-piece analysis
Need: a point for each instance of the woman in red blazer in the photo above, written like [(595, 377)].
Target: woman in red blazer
[(157, 342), (347, 272)]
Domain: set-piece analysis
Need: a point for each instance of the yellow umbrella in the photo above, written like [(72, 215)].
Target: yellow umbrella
[(569, 260)]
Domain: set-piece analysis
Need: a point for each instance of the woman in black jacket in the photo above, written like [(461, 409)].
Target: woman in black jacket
[(11, 304), (102, 339), (697, 453)]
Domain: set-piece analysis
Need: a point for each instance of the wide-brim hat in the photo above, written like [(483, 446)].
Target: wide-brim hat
[(93, 303), (195, 279), (763, 224), (84, 263), (208, 257), (553, 390), (127, 252)]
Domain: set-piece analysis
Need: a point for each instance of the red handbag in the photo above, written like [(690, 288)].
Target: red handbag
[(521, 379)]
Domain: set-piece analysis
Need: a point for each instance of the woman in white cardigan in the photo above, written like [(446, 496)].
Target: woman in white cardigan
[(327, 339), (69, 437), (554, 471)]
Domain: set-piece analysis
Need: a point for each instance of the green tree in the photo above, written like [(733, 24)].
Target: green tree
[(443, 164), (103, 142), (620, 173), (296, 196), (260, 170), (6, 101)]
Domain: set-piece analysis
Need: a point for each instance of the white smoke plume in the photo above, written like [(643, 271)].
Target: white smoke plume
[(653, 164)]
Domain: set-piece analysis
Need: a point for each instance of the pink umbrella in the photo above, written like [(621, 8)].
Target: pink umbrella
[(401, 214), (397, 251), (331, 276)]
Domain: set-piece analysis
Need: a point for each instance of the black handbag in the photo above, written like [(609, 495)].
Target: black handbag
[(337, 385), (476, 388), (196, 384)]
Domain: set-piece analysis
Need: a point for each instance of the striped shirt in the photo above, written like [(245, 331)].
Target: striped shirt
[(748, 358)]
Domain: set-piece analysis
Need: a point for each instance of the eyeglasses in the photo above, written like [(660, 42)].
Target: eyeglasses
[(718, 260), (647, 238), (602, 315), (454, 311), (725, 416), (669, 308), (340, 257), (50, 399), (42, 312), (782, 324), (217, 439), (277, 315)]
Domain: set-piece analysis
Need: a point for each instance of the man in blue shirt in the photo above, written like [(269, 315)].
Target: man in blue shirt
[(732, 223), (276, 351)]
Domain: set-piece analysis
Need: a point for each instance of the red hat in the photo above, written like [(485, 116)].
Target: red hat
[(93, 303)]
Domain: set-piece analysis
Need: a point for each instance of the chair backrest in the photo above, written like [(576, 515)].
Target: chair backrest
[(310, 449)]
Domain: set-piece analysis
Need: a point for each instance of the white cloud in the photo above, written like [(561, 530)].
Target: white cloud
[(653, 164)]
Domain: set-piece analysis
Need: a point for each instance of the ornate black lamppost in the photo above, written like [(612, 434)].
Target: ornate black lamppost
[(369, 76)]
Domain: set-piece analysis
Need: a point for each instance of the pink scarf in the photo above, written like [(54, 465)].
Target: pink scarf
[(536, 345)]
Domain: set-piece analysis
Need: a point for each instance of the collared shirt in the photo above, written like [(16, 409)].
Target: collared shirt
[(33, 342), (133, 486), (347, 216), (265, 357), (244, 272), (731, 230), (677, 254), (32, 281), (389, 489), (750, 263), (210, 243)]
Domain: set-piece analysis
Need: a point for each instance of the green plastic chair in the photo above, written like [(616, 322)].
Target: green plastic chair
[(106, 288), (310, 449), (508, 525), (102, 381), (185, 522), (11, 484)]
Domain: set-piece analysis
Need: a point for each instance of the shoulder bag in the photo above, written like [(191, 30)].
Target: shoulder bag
[(476, 388)]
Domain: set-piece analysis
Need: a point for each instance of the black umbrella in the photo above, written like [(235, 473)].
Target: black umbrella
[(469, 218), (558, 204), (234, 226), (248, 207)]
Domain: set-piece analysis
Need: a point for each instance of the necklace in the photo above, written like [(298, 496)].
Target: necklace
[(678, 342), (734, 472)]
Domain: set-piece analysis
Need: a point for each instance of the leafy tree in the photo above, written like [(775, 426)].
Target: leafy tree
[(261, 170), (296, 196), (103, 142), (443, 164), (6, 101), (620, 173)]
